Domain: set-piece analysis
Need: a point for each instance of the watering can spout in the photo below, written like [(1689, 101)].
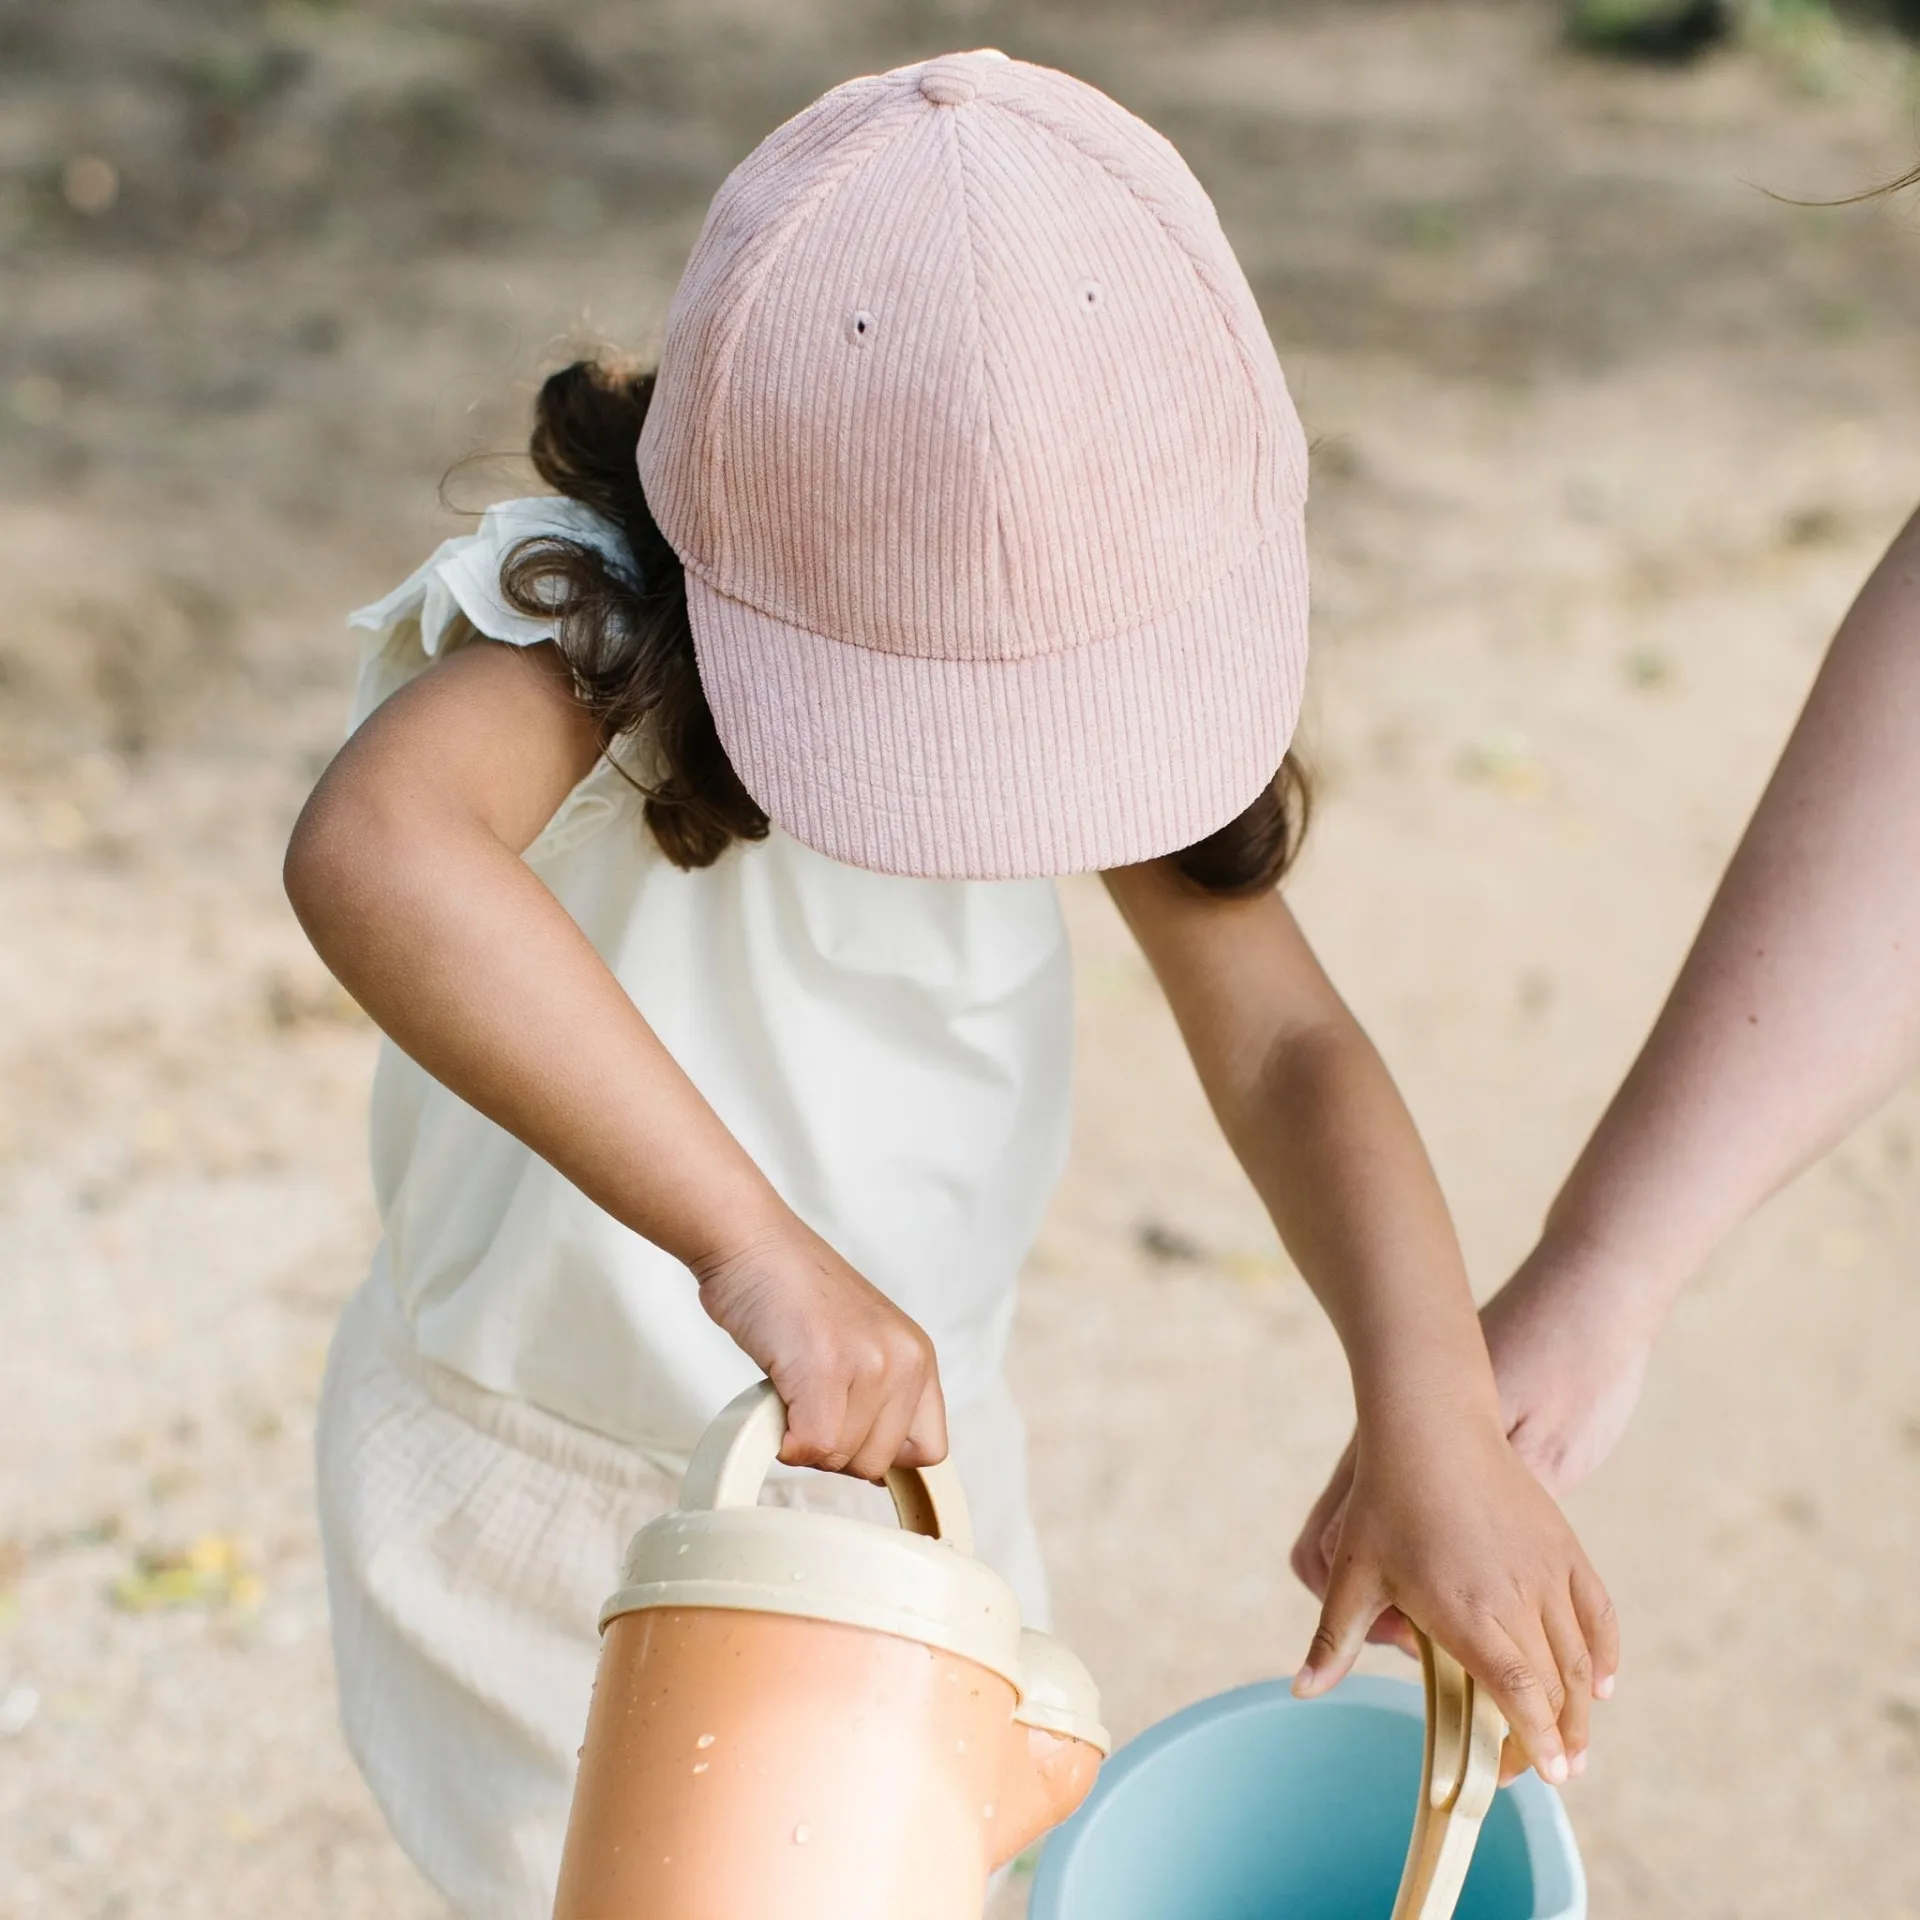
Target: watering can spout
[(1054, 1747)]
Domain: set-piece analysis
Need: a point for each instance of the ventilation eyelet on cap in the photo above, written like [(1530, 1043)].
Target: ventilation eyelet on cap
[(861, 327), (947, 83)]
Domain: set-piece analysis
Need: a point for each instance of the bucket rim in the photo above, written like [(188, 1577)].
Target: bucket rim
[(1559, 1878)]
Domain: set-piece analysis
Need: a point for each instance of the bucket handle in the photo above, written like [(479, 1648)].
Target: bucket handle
[(736, 1453), (1457, 1780)]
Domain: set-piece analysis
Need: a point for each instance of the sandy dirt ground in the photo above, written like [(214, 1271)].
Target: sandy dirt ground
[(1606, 438)]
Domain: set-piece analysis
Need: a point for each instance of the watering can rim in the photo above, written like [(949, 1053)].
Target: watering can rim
[(920, 1582), (1560, 1881)]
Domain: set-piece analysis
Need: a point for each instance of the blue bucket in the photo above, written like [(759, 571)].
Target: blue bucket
[(1258, 1806)]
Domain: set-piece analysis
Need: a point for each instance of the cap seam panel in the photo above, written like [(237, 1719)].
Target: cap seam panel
[(790, 230), (1002, 595), (1249, 372)]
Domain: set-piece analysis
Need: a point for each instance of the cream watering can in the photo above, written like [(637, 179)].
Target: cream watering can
[(808, 1716)]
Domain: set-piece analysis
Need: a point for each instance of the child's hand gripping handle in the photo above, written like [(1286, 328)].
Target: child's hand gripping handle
[(738, 1451), (1465, 1733), (860, 1380)]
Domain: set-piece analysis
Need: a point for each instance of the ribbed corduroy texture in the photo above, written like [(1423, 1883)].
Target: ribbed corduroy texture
[(986, 479)]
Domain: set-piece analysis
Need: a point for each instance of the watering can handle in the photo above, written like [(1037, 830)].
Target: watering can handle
[(1462, 1768), (736, 1453)]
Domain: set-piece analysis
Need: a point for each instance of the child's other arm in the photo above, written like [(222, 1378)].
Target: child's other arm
[(1444, 1524), (405, 871)]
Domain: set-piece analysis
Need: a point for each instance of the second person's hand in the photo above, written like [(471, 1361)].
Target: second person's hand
[(1570, 1336), (858, 1377)]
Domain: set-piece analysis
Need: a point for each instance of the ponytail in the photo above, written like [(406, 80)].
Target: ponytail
[(625, 634)]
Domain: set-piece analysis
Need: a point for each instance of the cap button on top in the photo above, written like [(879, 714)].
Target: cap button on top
[(947, 84)]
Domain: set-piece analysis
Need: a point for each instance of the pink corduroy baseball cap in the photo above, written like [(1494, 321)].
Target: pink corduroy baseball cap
[(986, 480)]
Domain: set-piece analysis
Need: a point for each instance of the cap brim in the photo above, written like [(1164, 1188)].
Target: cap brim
[(1098, 756)]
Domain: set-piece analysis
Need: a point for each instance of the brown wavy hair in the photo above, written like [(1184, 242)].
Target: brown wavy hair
[(626, 636)]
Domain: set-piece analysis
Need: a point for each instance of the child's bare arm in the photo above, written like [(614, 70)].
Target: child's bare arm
[(405, 871), (1444, 1523)]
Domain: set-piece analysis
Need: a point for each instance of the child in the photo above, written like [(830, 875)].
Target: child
[(692, 851)]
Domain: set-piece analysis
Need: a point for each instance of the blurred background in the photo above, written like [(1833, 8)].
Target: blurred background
[(1608, 428)]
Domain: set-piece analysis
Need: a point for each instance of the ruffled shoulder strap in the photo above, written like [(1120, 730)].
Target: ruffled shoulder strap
[(402, 634)]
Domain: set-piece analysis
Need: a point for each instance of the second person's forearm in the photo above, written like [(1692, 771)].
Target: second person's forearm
[(1798, 1008)]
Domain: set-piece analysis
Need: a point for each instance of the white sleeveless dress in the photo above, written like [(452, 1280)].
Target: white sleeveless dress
[(517, 1386)]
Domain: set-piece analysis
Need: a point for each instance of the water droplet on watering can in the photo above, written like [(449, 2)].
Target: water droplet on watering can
[(705, 1740), (700, 1766), (802, 1834)]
